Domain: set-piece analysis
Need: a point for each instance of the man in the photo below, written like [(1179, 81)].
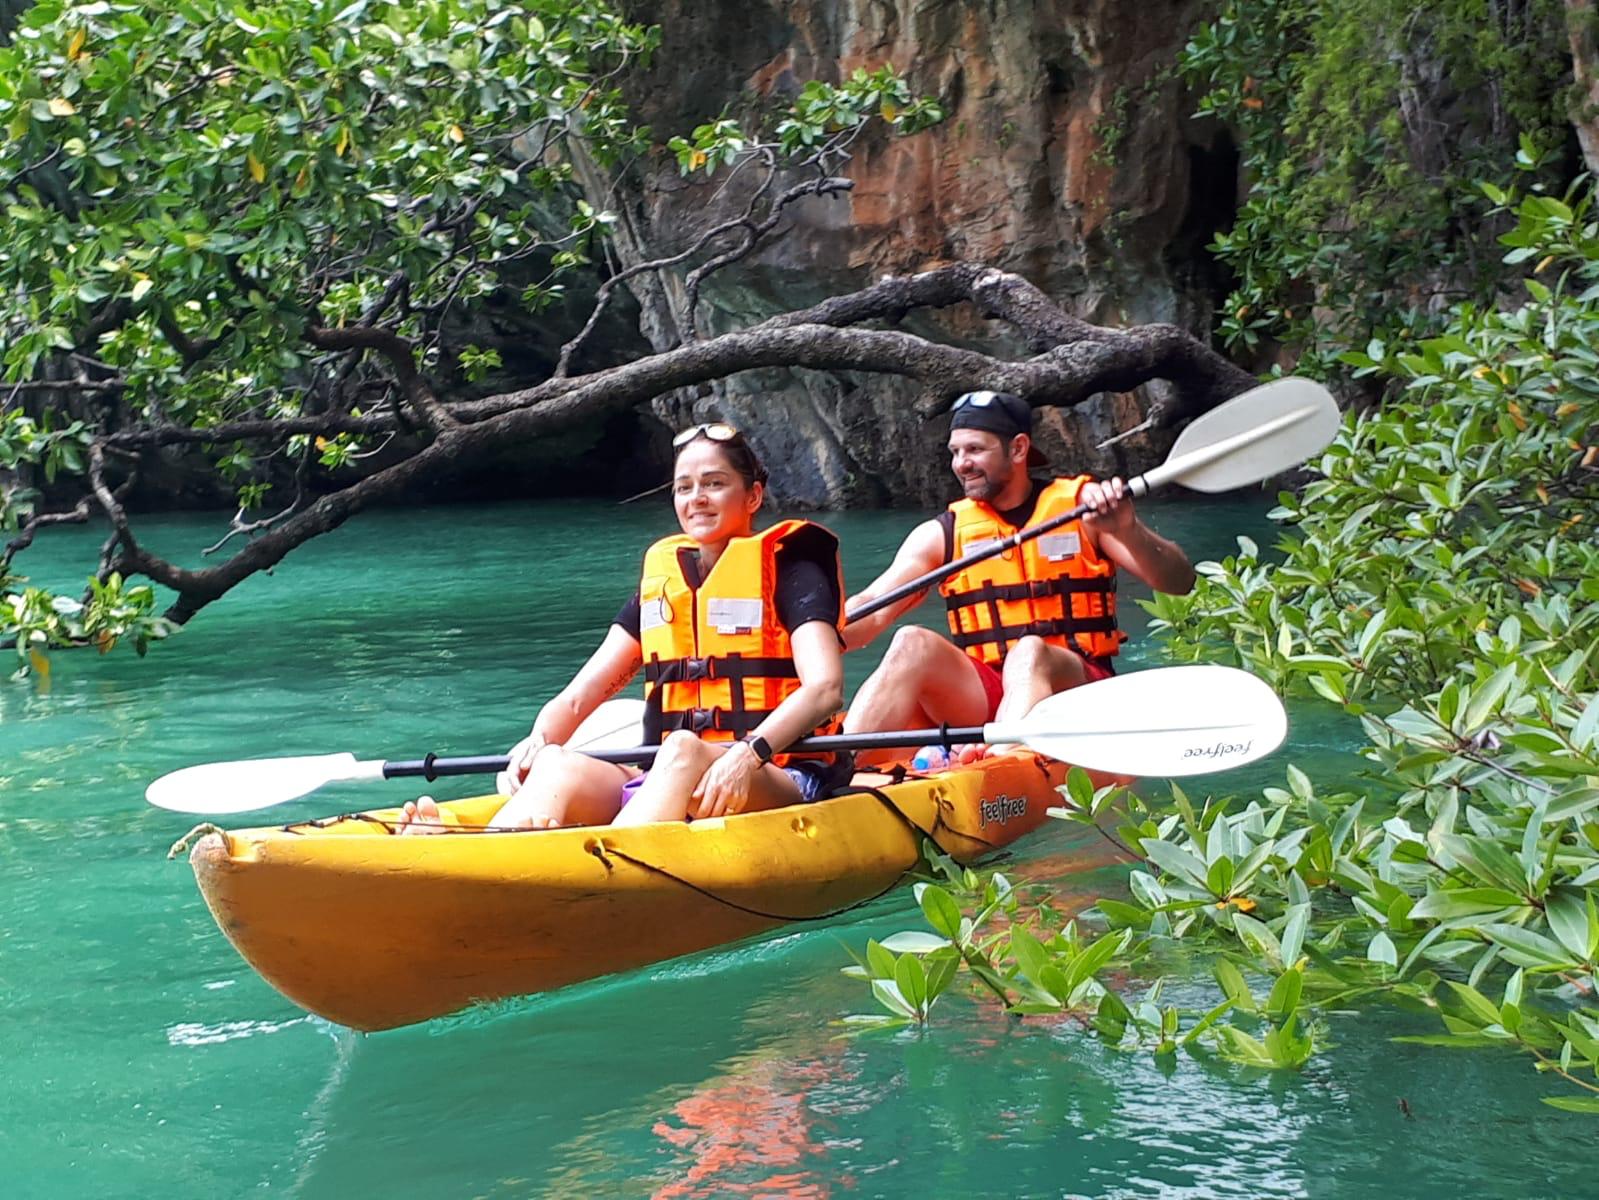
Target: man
[(1033, 621)]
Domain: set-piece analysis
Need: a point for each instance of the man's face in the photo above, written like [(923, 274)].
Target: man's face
[(983, 462)]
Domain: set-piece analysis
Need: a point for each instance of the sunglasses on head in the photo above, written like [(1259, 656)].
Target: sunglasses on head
[(975, 400), (716, 431)]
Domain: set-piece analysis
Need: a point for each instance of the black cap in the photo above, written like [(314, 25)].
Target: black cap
[(1003, 414)]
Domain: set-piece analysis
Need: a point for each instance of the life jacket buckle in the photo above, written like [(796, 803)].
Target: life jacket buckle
[(695, 669), (702, 719)]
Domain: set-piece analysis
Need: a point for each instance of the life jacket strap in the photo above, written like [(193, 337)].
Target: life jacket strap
[(1060, 626), (733, 666), (720, 720), (1032, 589)]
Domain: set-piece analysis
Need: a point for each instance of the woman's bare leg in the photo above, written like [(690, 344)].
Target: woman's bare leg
[(565, 787), (668, 791)]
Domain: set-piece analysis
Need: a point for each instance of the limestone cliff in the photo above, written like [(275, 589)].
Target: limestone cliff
[(1067, 156)]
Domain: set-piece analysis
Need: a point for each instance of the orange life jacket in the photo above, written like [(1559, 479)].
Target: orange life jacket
[(1056, 586), (717, 659)]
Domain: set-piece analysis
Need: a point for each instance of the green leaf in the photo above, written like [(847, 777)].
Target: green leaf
[(1293, 936), (1093, 957), (1585, 734), (911, 980), (1576, 1104), (1573, 802), (1111, 1018), (1260, 940), (1030, 956), (1054, 981), (912, 941), (1528, 949), (1381, 950), (1237, 1046), (1484, 1009), (1080, 788), (1488, 861), (1233, 985), (1119, 915), (1285, 993), (1205, 1023), (1175, 861), (1464, 902), (888, 995), (1455, 1041), (941, 969), (941, 911), (1566, 909), (1486, 698)]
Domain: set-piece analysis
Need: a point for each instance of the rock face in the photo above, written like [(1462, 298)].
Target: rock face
[(1067, 156)]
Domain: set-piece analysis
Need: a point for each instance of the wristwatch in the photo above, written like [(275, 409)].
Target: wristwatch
[(762, 747)]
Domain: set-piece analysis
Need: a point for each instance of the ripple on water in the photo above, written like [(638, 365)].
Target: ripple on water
[(192, 1033)]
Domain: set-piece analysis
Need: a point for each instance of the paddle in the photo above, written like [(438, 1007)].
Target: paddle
[(234, 787), (1251, 437), (1168, 721)]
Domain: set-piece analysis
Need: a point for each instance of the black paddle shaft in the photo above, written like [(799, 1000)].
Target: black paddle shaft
[(923, 582), (434, 767)]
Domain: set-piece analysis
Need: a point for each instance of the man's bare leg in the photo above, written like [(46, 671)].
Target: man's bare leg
[(923, 681), (1034, 670)]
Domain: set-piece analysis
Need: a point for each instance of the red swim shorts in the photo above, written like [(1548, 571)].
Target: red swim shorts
[(994, 686)]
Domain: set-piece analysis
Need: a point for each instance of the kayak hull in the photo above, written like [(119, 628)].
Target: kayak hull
[(374, 931)]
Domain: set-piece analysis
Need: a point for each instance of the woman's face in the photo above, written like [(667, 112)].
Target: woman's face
[(712, 500)]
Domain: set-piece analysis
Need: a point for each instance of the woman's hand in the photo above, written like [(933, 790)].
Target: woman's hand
[(724, 789), (509, 781)]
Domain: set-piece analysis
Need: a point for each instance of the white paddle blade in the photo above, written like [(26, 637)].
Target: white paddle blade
[(1251, 437), (235, 787), (614, 725), (1168, 721)]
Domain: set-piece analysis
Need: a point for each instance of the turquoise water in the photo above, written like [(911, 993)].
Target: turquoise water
[(141, 1057)]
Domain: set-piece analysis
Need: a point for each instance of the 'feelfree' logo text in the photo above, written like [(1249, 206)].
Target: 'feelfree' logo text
[(1219, 750), (1000, 809)]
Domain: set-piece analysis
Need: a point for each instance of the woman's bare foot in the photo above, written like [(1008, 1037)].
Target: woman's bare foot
[(424, 816)]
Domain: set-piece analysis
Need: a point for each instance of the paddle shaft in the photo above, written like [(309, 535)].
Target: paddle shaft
[(1141, 485), (433, 767)]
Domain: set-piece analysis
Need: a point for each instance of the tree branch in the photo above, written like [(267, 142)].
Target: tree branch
[(401, 357), (1075, 361)]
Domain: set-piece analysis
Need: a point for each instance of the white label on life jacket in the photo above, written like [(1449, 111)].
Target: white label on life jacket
[(1057, 547), (652, 614), (729, 615)]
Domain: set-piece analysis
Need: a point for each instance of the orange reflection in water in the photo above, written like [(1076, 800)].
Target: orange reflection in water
[(751, 1135)]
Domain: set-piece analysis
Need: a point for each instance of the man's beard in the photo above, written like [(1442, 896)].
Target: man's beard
[(983, 487)]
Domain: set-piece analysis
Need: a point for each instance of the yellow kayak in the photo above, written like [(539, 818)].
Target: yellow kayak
[(372, 930)]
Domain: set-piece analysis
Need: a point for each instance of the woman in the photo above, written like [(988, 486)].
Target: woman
[(740, 631)]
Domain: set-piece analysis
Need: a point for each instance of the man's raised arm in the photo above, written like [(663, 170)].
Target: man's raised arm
[(921, 551)]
